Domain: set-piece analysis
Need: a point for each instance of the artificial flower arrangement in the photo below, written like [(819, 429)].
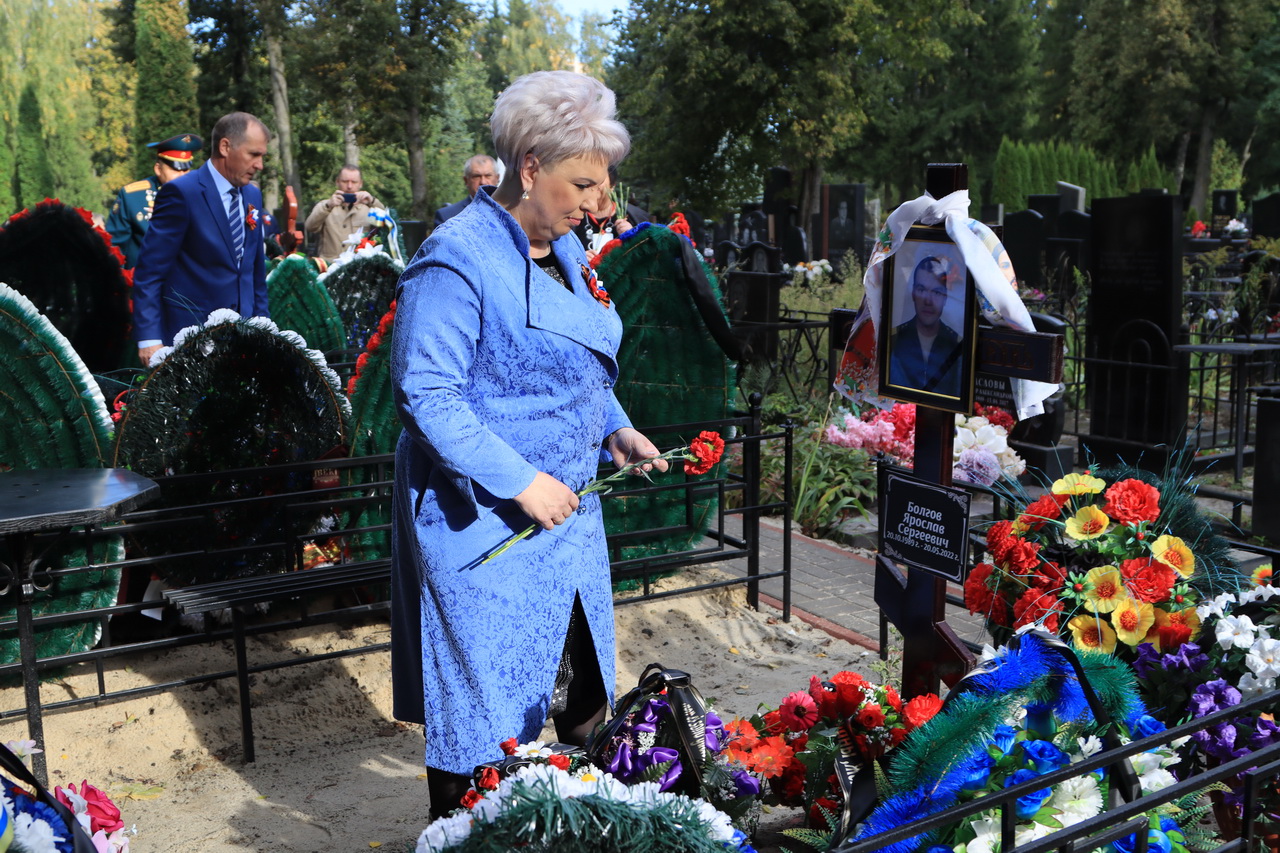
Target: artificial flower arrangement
[(674, 739), (1105, 560), (700, 456), (980, 450), (797, 746), (810, 273), (1021, 714), (28, 825), (551, 800), (1236, 659)]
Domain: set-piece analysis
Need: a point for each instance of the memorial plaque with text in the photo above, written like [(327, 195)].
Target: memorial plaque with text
[(923, 525)]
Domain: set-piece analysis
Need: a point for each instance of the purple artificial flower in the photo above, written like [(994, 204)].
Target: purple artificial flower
[(1213, 696), (715, 732), (1188, 657), (745, 784), (1218, 741), (1148, 659), (1266, 733), (655, 755), (646, 719)]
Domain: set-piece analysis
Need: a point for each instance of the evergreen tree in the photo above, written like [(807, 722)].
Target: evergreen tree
[(1004, 176), (166, 93), (8, 174), (34, 178)]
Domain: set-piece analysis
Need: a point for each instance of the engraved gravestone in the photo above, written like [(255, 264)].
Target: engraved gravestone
[(1225, 205)]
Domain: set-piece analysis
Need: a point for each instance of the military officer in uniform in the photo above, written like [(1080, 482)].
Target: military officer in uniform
[(131, 211)]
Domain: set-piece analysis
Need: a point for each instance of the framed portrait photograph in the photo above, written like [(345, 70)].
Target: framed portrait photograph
[(928, 329)]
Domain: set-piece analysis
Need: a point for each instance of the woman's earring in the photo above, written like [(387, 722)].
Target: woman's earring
[(525, 196)]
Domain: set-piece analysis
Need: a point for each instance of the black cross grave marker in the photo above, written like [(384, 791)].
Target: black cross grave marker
[(915, 601)]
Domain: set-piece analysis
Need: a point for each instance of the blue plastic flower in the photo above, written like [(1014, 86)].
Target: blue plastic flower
[(1044, 756), (1030, 803), (1146, 725), (979, 773), (1003, 737), (1039, 722)]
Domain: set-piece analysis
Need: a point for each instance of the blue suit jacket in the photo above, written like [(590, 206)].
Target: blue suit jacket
[(449, 211), (186, 267)]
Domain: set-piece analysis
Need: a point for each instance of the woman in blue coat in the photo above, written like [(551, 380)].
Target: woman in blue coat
[(503, 369)]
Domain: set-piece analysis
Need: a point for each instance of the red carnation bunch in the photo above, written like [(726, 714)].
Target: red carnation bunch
[(800, 740)]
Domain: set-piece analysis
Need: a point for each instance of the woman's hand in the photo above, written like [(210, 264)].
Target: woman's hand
[(628, 445), (547, 501)]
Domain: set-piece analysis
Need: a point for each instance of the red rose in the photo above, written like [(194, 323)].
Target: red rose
[(921, 709), (470, 798), (773, 724), (871, 716), (897, 735), (708, 447), (825, 696), (1170, 637), (789, 785), (849, 692), (509, 746), (488, 780), (799, 742), (868, 747), (817, 821), (1148, 580), (1132, 501), (103, 813), (559, 762), (892, 697)]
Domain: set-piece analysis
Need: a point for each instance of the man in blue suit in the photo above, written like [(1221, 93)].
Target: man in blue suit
[(204, 248), (479, 171)]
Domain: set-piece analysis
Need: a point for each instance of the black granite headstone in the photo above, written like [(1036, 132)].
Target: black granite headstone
[(1023, 237), (1266, 471), (1071, 197), (993, 214), (777, 194), (844, 221), (1137, 391), (1068, 251), (1266, 216), (1225, 205), (1048, 205)]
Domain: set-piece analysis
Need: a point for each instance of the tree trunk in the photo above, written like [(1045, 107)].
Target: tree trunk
[(1180, 162), (1204, 160), (1248, 146), (417, 161), (350, 148), (811, 204), (280, 101)]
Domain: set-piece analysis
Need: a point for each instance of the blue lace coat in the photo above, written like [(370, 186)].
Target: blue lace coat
[(498, 372)]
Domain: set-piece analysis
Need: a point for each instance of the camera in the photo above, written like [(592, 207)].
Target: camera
[(348, 198)]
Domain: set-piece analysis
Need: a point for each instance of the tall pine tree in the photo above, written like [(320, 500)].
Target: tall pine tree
[(34, 178), (166, 95)]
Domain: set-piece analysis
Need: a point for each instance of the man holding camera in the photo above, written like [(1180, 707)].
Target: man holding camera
[(340, 215)]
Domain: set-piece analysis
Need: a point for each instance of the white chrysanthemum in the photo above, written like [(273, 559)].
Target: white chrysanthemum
[(445, 833), (221, 315), (719, 827), (31, 833), (1235, 631), (264, 323), (183, 334), (1250, 685), (1089, 747), (1078, 798), (1013, 464), (159, 356)]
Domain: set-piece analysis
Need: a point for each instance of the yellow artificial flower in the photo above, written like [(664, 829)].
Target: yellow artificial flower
[(1093, 633), (1186, 616), (1089, 522), (1104, 589), (1132, 620), (1079, 484), (1175, 554)]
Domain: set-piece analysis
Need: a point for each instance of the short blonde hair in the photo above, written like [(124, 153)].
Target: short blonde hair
[(557, 115)]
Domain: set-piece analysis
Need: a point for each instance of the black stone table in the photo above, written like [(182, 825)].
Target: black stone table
[(54, 500), (1242, 354)]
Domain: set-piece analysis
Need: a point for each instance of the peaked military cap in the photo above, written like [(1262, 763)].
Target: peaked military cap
[(176, 151)]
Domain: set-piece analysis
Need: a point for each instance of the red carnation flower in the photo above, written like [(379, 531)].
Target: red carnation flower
[(1037, 605), (707, 449), (999, 540), (1038, 512), (1132, 501), (1023, 556), (1148, 580), (978, 596), (921, 710), (559, 762)]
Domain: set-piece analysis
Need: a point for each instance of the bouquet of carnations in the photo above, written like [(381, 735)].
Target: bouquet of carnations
[(980, 451), (1106, 562), (552, 799), (796, 746)]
